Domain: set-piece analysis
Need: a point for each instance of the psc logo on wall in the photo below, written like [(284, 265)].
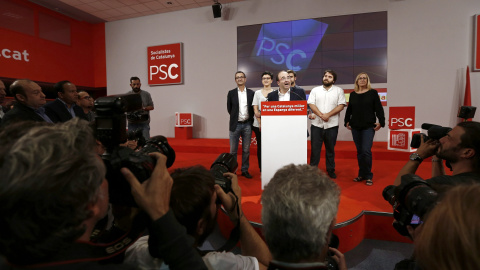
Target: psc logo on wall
[(165, 64)]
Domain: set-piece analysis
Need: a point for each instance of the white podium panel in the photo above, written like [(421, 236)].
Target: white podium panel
[(284, 136)]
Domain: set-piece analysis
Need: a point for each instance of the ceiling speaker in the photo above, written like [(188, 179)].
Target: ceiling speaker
[(217, 10)]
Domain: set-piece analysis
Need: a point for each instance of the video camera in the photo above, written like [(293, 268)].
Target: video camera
[(111, 131), (411, 200), (435, 132)]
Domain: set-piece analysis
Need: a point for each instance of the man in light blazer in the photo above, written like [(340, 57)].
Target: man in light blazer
[(239, 106)]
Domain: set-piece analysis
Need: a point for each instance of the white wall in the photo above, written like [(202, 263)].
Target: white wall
[(430, 43)]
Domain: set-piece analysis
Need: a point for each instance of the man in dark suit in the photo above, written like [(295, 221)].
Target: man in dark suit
[(239, 106), (285, 92), (64, 107), (30, 99)]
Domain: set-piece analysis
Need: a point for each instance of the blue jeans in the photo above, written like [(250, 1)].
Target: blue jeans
[(363, 141), (319, 137), (245, 131), (258, 134), (145, 127)]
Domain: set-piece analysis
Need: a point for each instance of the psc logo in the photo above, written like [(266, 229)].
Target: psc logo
[(402, 118)]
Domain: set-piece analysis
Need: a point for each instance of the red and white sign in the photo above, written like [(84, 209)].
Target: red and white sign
[(400, 139), (183, 119), (401, 118), (284, 108), (165, 64)]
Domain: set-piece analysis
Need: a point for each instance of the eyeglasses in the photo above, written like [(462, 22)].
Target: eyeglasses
[(87, 97), (285, 78), (239, 77), (266, 78), (362, 78)]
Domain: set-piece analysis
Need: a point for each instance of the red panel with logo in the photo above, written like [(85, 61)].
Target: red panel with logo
[(399, 139), (401, 118), (165, 64), (183, 119)]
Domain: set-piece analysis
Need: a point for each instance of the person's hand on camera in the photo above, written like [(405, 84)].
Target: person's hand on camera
[(153, 195), (228, 200), (339, 258), (428, 148)]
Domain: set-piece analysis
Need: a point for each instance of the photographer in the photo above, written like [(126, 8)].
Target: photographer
[(460, 147), (53, 191), (195, 205)]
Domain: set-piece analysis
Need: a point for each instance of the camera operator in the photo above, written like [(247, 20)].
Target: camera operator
[(300, 204), (460, 147), (195, 205), (53, 191)]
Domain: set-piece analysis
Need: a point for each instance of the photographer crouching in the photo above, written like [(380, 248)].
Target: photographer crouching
[(460, 147), (53, 191)]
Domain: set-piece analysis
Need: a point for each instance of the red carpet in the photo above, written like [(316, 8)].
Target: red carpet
[(355, 197)]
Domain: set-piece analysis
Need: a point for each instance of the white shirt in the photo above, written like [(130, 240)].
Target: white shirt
[(242, 105), (284, 97), (326, 100), (257, 100), (139, 256)]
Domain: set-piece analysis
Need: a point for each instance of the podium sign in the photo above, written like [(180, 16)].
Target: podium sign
[(400, 139), (284, 136)]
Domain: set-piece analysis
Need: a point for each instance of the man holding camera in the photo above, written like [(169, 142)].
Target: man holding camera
[(140, 119), (460, 147), (51, 199), (300, 204), (194, 201)]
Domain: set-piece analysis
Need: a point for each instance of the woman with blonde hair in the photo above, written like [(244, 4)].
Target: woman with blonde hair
[(364, 108), (450, 237)]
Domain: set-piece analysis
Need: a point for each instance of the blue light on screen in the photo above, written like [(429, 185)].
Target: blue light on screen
[(289, 44)]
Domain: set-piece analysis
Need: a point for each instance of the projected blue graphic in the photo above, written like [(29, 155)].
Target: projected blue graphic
[(288, 44)]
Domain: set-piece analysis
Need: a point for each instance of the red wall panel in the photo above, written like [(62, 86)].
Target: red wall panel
[(82, 62)]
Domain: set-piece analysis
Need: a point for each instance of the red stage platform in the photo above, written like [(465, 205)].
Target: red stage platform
[(363, 213)]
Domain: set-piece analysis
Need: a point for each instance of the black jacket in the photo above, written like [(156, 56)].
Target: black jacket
[(232, 106), (20, 112), (295, 94), (57, 112)]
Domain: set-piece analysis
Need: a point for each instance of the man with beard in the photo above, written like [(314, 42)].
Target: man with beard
[(194, 202), (29, 107), (285, 90), (326, 102), (460, 147), (140, 119)]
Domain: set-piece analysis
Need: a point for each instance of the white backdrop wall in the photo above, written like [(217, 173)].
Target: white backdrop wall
[(430, 43)]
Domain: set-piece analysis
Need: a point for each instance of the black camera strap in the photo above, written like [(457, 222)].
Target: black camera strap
[(234, 234)]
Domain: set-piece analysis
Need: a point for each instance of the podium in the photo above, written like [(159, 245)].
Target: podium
[(284, 136)]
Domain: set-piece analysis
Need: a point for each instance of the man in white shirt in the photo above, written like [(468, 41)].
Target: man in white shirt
[(239, 106), (326, 102)]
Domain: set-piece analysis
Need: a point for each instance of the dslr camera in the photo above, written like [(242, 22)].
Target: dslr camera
[(435, 132), (411, 200), (224, 163), (111, 131)]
